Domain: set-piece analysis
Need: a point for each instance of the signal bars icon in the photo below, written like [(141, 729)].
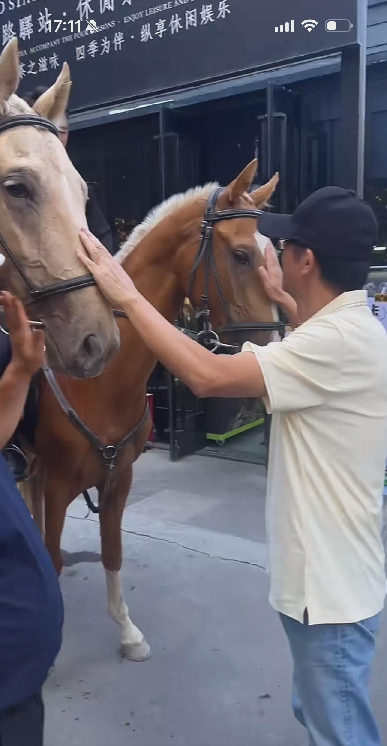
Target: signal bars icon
[(285, 28)]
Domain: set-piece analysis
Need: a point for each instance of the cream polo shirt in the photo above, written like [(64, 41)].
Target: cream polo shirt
[(327, 390)]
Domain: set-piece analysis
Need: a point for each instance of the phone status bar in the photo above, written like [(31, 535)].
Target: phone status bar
[(331, 25)]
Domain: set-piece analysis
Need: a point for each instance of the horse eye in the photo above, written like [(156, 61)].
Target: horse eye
[(17, 189), (241, 257)]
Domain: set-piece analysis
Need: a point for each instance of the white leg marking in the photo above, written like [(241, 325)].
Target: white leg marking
[(133, 643)]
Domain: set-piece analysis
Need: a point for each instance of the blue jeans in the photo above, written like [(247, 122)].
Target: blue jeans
[(330, 688)]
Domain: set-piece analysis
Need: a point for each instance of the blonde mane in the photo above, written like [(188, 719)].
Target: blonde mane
[(157, 214)]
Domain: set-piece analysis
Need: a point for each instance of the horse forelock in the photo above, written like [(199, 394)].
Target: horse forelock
[(157, 214)]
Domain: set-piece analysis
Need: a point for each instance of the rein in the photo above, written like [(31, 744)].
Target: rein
[(108, 453)]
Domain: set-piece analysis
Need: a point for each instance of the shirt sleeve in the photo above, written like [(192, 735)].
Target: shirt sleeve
[(303, 370)]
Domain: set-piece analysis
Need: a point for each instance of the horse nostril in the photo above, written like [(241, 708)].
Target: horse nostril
[(92, 347)]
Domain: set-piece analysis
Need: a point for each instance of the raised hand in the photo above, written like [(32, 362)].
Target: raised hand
[(112, 280), (271, 274), (28, 345)]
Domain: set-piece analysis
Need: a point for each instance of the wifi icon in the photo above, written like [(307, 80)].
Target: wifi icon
[(309, 24)]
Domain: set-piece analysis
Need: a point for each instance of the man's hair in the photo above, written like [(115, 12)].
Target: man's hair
[(341, 275)]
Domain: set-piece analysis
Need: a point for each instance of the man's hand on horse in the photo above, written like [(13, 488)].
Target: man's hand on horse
[(272, 279), (28, 344), (271, 274), (108, 273)]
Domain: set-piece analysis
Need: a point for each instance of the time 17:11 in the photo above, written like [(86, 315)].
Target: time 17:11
[(68, 26)]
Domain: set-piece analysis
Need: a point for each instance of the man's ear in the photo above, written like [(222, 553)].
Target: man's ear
[(309, 262)]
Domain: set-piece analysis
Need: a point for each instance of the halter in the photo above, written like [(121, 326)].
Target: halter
[(64, 286), (208, 336)]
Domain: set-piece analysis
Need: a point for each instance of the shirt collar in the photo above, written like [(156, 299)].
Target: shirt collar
[(353, 298)]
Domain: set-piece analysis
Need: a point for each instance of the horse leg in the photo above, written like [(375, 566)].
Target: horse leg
[(56, 503), (133, 646)]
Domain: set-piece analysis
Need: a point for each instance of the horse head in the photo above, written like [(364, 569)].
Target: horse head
[(233, 284), (42, 208)]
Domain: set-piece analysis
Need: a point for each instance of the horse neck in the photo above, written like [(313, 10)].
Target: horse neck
[(153, 265)]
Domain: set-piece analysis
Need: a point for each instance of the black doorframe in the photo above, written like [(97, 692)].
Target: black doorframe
[(353, 98), (171, 382), (280, 139), (185, 413)]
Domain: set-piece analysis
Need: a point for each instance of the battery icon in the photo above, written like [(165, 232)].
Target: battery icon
[(338, 25)]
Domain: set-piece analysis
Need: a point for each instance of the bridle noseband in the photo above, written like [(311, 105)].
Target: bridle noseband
[(209, 337), (65, 286)]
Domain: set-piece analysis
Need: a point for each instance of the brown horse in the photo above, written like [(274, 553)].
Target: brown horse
[(159, 256), (42, 208)]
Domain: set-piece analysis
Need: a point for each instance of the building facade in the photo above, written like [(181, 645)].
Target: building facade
[(181, 93)]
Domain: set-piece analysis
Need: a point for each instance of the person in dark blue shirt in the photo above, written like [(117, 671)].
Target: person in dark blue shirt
[(31, 607)]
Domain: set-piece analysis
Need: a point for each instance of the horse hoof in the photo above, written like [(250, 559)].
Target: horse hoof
[(137, 651)]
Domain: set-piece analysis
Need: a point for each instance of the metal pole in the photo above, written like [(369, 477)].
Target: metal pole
[(353, 97), (162, 154), (173, 447), (270, 128)]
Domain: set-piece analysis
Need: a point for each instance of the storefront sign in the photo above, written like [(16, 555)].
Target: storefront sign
[(120, 49)]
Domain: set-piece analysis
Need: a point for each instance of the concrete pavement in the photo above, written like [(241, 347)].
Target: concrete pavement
[(220, 673)]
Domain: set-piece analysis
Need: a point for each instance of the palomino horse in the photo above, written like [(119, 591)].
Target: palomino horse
[(42, 207), (159, 256)]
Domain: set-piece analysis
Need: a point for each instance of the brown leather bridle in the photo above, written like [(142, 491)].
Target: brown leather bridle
[(208, 336)]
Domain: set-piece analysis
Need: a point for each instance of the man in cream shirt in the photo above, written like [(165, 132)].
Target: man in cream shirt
[(326, 386)]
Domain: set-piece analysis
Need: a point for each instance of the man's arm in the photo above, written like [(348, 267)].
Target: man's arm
[(27, 359), (203, 372)]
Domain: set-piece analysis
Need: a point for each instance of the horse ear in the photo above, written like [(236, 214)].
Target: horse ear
[(262, 195), (53, 103), (243, 182), (9, 71)]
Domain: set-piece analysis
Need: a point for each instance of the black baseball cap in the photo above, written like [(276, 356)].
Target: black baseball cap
[(333, 222)]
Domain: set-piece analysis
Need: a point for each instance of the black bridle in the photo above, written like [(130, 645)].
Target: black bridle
[(208, 336), (64, 286)]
